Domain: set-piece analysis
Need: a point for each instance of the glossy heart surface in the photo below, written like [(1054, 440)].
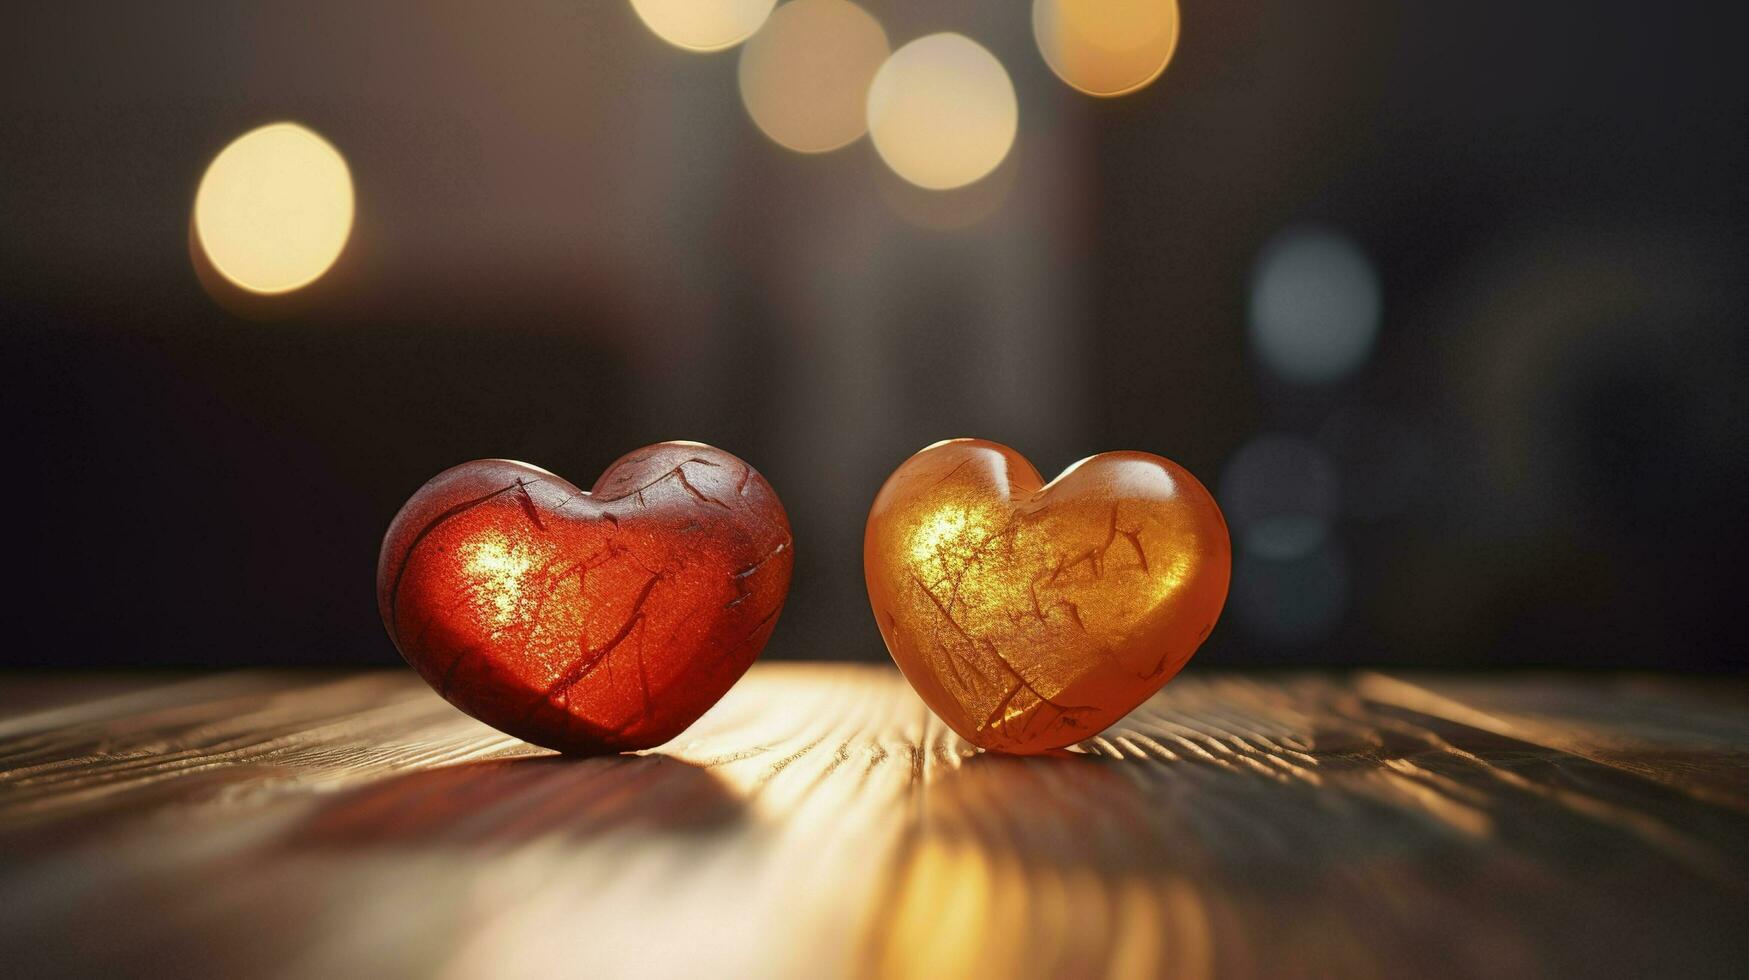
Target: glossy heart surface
[(588, 622), (1032, 616)]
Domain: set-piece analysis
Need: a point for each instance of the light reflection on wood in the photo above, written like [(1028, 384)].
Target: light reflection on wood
[(819, 822)]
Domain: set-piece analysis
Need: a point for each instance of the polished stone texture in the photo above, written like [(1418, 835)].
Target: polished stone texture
[(598, 621), (1030, 617)]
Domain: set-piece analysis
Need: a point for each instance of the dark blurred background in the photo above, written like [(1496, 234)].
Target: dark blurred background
[(1445, 302)]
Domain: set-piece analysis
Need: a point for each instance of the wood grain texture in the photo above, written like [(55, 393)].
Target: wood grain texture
[(819, 822)]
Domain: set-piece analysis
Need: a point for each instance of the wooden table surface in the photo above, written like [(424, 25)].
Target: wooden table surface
[(819, 823)]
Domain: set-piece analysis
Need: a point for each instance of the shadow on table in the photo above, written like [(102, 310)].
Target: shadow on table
[(510, 802)]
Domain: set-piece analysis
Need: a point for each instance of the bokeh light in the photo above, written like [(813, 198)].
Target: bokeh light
[(1315, 306), (1280, 494), (703, 25), (805, 76), (1106, 47), (274, 209), (942, 111)]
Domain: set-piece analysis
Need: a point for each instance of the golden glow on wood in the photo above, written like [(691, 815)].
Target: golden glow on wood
[(820, 823)]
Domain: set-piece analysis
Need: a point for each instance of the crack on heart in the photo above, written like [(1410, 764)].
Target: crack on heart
[(976, 671), (949, 474), (743, 573), (449, 672), (589, 658), (1095, 556), (424, 532), (975, 557), (528, 507), (1067, 714), (763, 622), (678, 471), (741, 576)]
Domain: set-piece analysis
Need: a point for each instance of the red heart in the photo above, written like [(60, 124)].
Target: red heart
[(590, 622)]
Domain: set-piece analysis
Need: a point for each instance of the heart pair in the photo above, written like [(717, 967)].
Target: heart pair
[(1027, 615)]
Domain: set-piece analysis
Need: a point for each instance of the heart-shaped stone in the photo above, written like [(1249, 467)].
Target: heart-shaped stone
[(599, 621), (1031, 616)]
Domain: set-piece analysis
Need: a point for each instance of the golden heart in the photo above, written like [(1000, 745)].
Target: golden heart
[(1028, 615)]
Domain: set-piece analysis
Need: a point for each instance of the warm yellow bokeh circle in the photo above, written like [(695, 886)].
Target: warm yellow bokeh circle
[(703, 25), (274, 208), (1106, 47), (805, 76), (942, 111)]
